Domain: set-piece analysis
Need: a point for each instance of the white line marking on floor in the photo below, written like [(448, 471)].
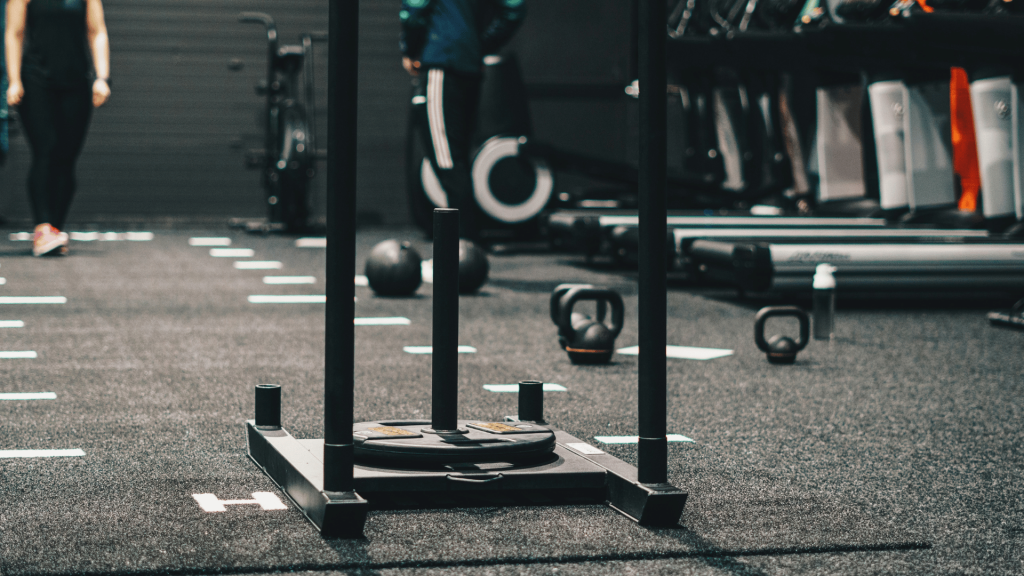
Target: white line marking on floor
[(584, 448), (427, 271), (288, 299), (40, 453), (33, 300), (430, 349), (84, 236), (635, 439), (683, 352), (259, 265), (311, 243), (362, 280), (19, 236), (28, 396), (138, 236), (232, 252), (289, 279), (265, 500), (13, 354), (3, 281), (515, 387), (12, 323), (209, 241), (396, 321)]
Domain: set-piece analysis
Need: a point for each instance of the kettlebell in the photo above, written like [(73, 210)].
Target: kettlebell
[(587, 340), (781, 349)]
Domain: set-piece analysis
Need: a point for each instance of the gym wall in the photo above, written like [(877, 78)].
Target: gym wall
[(170, 144)]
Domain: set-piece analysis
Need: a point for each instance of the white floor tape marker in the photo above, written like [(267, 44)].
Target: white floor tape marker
[(288, 299), (289, 279), (12, 323), (40, 453), (311, 243), (3, 281), (265, 500), (515, 387), (362, 280), (635, 439), (11, 354), (33, 300), (209, 241), (90, 236), (259, 265), (28, 396), (232, 252), (430, 349), (396, 321), (683, 352)]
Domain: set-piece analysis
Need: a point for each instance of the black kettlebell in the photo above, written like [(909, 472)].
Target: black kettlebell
[(781, 349), (587, 340)]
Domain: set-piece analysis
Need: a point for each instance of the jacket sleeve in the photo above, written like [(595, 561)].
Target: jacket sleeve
[(415, 17), (508, 17)]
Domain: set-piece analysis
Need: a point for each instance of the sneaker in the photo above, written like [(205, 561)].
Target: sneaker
[(65, 243), (46, 239)]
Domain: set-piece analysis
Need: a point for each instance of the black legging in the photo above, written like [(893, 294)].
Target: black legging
[(448, 119), (55, 121)]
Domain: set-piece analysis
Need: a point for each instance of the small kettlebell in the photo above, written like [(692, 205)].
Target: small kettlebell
[(587, 340), (781, 349)]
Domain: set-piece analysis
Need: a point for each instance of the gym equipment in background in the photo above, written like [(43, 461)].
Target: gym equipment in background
[(994, 101), (287, 161), (473, 267), (514, 174), (623, 240), (587, 340), (966, 265), (601, 231), (781, 349), (394, 269), (324, 478), (1012, 319), (510, 188)]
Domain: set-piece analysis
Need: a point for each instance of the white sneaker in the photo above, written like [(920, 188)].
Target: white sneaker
[(46, 239)]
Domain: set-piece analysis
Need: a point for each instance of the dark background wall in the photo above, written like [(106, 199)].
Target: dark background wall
[(170, 143)]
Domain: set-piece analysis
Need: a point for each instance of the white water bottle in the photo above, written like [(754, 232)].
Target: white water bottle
[(824, 302)]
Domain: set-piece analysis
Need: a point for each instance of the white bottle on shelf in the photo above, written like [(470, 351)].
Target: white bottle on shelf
[(824, 302)]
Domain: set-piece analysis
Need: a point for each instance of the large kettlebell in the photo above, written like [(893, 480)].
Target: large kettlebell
[(587, 340), (781, 349)]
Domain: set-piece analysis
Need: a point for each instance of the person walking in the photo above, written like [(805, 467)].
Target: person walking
[(446, 41), (58, 66)]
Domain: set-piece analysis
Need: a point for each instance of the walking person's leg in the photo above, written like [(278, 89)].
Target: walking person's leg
[(37, 111), (74, 111), (450, 110)]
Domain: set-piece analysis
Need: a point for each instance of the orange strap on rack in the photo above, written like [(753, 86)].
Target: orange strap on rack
[(965, 144)]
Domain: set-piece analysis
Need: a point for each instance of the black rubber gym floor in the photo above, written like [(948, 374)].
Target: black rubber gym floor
[(897, 449)]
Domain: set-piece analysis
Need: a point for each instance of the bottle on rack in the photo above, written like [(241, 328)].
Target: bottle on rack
[(824, 302)]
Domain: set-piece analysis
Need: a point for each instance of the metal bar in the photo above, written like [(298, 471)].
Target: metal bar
[(445, 356), (342, 81), (652, 457)]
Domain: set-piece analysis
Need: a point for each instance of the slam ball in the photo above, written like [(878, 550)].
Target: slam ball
[(393, 269), (473, 267)]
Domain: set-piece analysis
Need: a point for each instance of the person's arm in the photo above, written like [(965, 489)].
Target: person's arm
[(506, 21), (99, 45), (415, 17), (14, 37)]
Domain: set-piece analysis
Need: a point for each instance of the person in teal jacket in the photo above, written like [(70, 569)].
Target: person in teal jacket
[(446, 41)]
